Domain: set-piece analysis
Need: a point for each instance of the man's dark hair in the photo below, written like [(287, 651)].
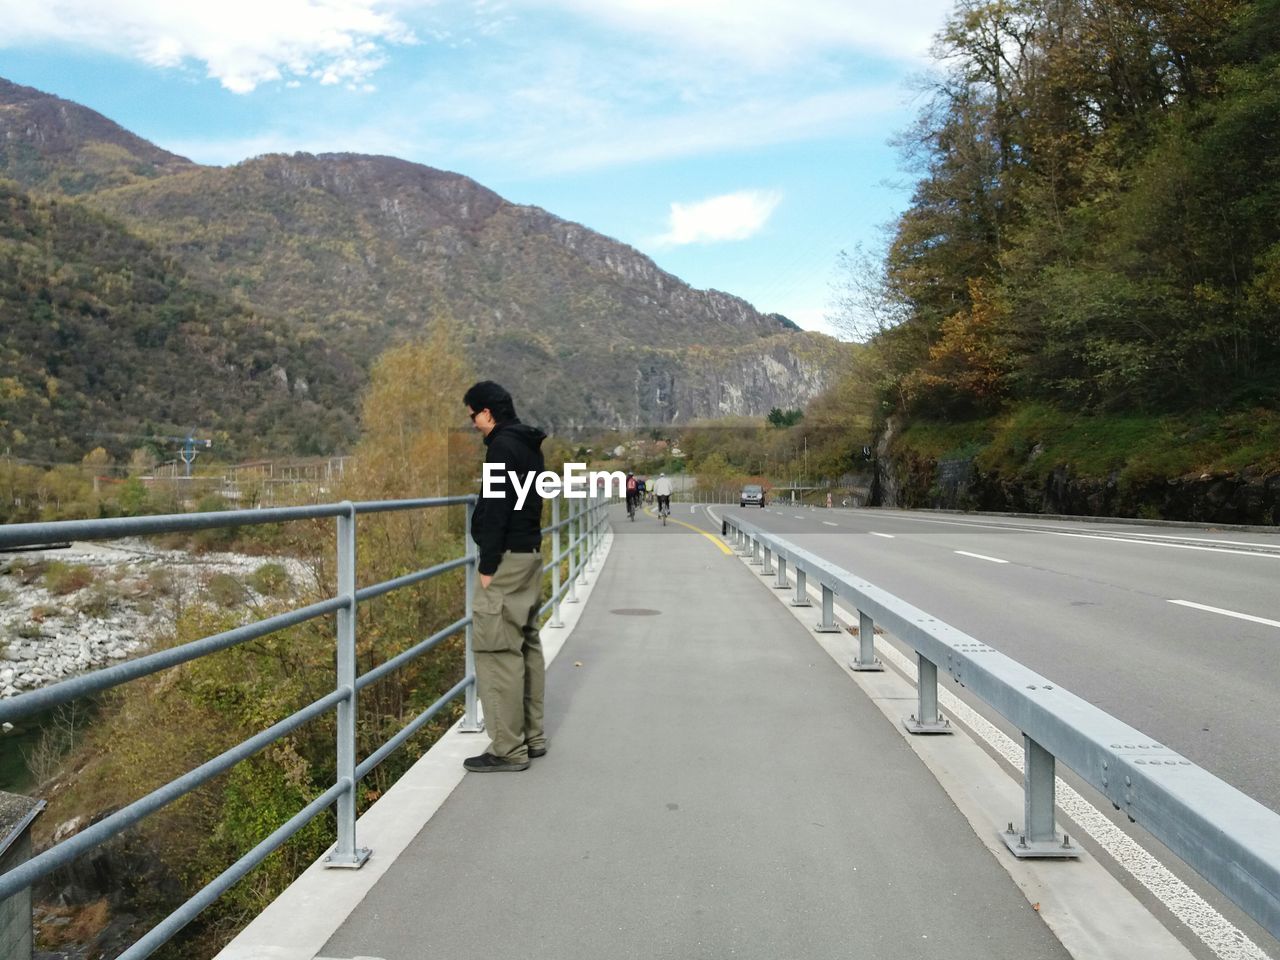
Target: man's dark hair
[(487, 395)]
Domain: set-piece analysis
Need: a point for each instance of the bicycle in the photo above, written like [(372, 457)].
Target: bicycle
[(664, 509)]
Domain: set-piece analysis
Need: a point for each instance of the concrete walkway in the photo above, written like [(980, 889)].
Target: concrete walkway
[(716, 787)]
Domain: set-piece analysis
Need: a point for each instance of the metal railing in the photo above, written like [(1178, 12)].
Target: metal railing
[(1228, 838), (582, 531)]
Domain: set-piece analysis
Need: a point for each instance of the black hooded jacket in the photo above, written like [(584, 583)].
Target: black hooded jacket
[(497, 525)]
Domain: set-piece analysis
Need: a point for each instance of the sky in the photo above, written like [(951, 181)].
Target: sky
[(742, 144)]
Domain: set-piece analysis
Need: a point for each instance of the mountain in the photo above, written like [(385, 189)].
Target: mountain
[(53, 144), (359, 252), (102, 337)]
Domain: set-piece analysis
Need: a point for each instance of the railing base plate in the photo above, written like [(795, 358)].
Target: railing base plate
[(857, 666), (819, 628), (801, 603), (921, 727), (1039, 849), (355, 863), (782, 586)]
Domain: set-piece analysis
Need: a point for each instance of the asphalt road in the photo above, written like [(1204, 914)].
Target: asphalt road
[(1104, 610)]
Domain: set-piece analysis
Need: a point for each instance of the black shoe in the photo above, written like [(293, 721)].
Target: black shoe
[(488, 763), (535, 752)]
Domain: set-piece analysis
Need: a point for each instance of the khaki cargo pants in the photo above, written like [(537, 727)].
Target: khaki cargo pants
[(510, 670)]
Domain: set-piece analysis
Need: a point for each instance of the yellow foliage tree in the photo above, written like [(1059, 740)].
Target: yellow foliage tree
[(414, 419)]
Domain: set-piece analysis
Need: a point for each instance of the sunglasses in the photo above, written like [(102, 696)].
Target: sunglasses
[(476, 414)]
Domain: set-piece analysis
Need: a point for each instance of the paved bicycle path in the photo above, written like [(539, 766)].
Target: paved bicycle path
[(715, 788)]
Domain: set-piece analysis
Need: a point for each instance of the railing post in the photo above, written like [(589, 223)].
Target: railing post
[(828, 623), (927, 719), (555, 620), (571, 527), (584, 532), (801, 598), (781, 582), (865, 661), (345, 853), (470, 716), (755, 560), (1037, 838), (767, 569), (590, 546)]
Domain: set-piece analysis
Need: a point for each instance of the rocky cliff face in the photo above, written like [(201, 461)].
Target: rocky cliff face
[(1247, 497)]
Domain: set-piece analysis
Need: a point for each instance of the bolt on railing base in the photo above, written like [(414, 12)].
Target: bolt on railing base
[(801, 603), (477, 727), (333, 861), (821, 627), (1059, 848), (940, 725), (875, 666)]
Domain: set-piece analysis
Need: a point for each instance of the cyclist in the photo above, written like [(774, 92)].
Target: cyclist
[(633, 494), (640, 485), (662, 488)]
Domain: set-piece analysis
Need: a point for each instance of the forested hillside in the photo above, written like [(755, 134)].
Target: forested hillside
[(102, 336), (1094, 235)]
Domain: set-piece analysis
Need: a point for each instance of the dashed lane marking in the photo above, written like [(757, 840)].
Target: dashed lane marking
[(1227, 613), (980, 556)]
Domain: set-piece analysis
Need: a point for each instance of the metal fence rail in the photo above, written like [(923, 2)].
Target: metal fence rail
[(1227, 837), (582, 529)]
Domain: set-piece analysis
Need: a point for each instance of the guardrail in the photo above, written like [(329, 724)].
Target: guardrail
[(1228, 838), (582, 532)]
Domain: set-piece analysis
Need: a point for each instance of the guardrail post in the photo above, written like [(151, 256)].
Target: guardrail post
[(755, 553), (767, 569), (781, 582), (590, 545), (865, 661), (344, 853), (470, 717), (555, 620), (927, 719), (572, 528), (801, 599), (584, 531), (1037, 838), (828, 623)]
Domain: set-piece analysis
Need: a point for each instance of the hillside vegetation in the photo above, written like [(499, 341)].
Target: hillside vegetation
[(1092, 250), (104, 336)]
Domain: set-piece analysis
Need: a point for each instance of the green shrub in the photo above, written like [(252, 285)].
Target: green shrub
[(225, 590), (271, 580), (98, 601), (63, 578)]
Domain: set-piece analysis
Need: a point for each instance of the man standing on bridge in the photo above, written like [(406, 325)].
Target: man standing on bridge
[(510, 670)]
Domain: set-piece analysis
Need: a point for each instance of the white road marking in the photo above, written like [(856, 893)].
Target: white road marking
[(797, 516), (979, 556), (1227, 613), (830, 524), (887, 536), (1161, 543), (1150, 539)]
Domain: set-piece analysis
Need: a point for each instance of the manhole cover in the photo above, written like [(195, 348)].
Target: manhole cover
[(636, 612)]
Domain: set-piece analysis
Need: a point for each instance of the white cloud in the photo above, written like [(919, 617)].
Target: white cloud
[(240, 43), (732, 216), (766, 32)]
